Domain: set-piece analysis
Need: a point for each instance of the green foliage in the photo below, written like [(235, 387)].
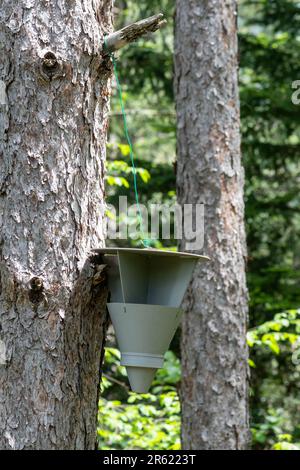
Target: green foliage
[(151, 423), (285, 327), (139, 421), (276, 422), (286, 445), (269, 433), (269, 52), (117, 167)]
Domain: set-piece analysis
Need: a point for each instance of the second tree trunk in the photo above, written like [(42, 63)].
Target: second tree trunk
[(214, 390)]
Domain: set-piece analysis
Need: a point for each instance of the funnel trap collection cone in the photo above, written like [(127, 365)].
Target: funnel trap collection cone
[(147, 287)]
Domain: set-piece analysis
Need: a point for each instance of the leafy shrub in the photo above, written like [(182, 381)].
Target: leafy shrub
[(275, 347), (139, 421)]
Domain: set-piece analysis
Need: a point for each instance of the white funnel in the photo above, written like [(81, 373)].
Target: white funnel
[(144, 333), (147, 287), (140, 378)]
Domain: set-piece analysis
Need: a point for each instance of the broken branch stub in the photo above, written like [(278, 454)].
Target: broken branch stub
[(132, 32)]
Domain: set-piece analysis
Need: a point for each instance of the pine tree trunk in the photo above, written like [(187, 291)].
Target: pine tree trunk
[(54, 94), (214, 354)]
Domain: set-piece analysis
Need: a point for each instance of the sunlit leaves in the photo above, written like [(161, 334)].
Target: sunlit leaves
[(116, 167), (285, 328), (140, 421)]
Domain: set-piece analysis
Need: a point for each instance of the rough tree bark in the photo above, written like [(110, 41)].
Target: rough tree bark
[(54, 94), (214, 354)]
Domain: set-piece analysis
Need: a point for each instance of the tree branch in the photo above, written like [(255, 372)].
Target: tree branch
[(133, 31), (118, 382)]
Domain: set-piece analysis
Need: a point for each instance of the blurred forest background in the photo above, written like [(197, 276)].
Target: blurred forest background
[(269, 46)]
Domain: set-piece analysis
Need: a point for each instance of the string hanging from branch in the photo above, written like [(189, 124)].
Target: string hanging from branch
[(113, 42), (145, 241)]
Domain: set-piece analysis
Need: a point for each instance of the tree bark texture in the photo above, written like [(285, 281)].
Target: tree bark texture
[(214, 389), (54, 98)]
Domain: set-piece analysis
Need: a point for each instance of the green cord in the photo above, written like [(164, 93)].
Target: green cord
[(145, 241)]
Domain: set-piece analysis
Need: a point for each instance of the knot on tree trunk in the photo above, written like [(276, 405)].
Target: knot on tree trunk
[(51, 67), (36, 291)]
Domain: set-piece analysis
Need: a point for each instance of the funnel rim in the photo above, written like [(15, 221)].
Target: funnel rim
[(151, 307), (150, 252)]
